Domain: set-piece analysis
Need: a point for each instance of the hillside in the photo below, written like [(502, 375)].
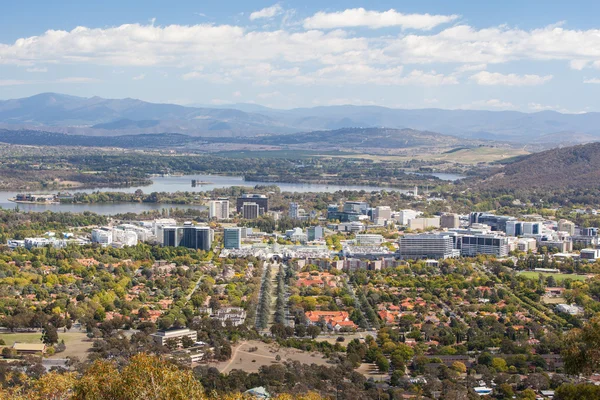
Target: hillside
[(97, 116), (350, 138), (364, 138), (576, 167)]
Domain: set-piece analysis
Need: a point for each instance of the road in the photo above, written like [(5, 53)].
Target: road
[(233, 356), (189, 296)]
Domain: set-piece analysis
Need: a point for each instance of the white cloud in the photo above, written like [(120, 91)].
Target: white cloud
[(494, 78), (592, 81), (357, 17), (541, 107), (14, 82), (237, 94), (578, 64), (37, 69), (139, 77), (268, 12), (76, 79), (471, 68)]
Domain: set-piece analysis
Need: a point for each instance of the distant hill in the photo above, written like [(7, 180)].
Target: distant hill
[(364, 138), (348, 138), (575, 167), (97, 116)]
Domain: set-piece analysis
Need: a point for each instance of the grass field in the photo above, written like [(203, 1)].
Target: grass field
[(557, 277), (266, 354), (77, 343)]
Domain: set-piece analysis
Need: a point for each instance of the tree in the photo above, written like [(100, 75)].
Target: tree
[(186, 342), (49, 335), (313, 331), (382, 363), (459, 367), (499, 364), (581, 354)]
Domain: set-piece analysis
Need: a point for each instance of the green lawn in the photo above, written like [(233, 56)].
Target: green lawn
[(557, 276), (10, 338)]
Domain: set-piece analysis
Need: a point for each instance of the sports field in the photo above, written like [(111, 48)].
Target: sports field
[(557, 276)]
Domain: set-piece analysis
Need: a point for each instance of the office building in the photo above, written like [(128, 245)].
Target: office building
[(496, 222), (590, 254), (520, 228), (566, 226), (414, 247), (250, 211), (190, 236), (424, 223), (160, 224), (472, 245), (294, 212), (218, 209), (369, 240), (406, 215), (589, 232), (449, 221), (260, 199), (382, 212), (358, 207), (232, 238), (174, 336), (315, 233), (102, 236)]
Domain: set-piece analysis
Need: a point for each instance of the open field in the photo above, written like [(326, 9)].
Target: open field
[(370, 370), (265, 355), (462, 156), (556, 276), (553, 300), (348, 337), (77, 343)]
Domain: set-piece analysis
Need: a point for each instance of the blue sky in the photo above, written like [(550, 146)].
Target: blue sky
[(511, 55)]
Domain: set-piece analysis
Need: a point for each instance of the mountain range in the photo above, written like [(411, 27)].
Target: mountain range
[(52, 112)]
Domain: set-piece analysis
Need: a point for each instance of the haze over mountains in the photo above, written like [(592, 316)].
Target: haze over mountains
[(109, 117)]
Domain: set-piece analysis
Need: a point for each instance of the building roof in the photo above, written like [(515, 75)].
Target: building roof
[(41, 347)]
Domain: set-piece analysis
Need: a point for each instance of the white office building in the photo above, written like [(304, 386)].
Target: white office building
[(218, 209), (103, 236), (369, 240)]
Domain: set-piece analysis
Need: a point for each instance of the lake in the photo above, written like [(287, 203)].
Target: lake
[(179, 184)]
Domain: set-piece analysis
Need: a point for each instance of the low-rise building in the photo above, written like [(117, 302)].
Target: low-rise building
[(164, 337)]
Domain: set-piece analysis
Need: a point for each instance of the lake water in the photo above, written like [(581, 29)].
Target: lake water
[(181, 184)]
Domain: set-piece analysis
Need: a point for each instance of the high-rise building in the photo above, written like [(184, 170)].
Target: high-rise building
[(315, 233), (449, 221), (250, 211), (232, 238), (190, 236), (171, 236), (294, 212), (414, 247), (424, 223), (520, 228), (472, 245), (218, 209), (382, 212), (260, 199)]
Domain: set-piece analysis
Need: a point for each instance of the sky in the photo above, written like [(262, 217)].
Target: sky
[(463, 54)]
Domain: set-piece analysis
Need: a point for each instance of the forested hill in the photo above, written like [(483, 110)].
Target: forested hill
[(576, 167), (365, 137)]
